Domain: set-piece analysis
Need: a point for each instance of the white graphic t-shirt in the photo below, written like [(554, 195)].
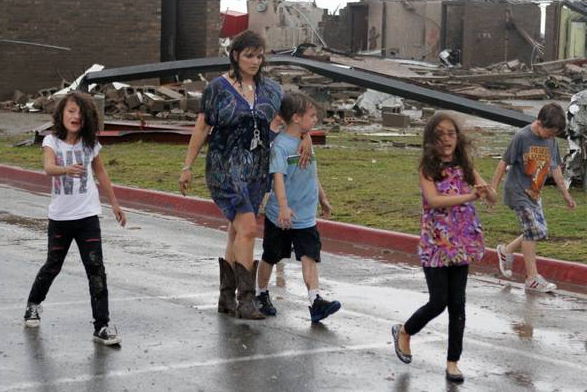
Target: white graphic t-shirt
[(73, 198)]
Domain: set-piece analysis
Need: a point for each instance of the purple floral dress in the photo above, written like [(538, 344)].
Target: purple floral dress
[(451, 235)]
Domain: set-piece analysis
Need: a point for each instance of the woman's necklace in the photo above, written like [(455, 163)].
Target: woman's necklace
[(242, 85), (247, 91)]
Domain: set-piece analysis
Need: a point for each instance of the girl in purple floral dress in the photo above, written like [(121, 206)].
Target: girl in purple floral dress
[(450, 238)]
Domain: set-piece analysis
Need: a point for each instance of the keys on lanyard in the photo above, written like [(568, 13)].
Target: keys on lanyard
[(256, 140)]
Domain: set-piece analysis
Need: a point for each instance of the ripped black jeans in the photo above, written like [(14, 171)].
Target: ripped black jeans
[(87, 235)]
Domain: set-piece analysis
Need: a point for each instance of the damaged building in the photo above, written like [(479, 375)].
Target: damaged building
[(566, 29), (402, 29), (481, 32), (285, 24), (45, 41), (476, 33)]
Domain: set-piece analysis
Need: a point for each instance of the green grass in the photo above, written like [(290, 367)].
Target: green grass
[(369, 180)]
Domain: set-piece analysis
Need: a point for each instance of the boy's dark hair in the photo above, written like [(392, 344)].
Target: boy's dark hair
[(246, 40), (552, 116), (431, 163), (89, 118), (295, 103)]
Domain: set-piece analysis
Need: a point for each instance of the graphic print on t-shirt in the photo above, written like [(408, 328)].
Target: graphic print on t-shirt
[(85, 160), (83, 157), (57, 179), (536, 165)]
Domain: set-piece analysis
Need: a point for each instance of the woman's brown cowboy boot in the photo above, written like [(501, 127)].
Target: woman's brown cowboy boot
[(247, 307), (227, 299)]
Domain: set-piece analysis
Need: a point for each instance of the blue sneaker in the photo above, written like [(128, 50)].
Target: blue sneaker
[(321, 309), (265, 305)]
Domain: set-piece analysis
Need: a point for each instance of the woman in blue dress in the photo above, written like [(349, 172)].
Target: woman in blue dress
[(236, 111)]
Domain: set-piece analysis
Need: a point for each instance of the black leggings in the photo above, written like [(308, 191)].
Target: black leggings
[(446, 286), (87, 235)]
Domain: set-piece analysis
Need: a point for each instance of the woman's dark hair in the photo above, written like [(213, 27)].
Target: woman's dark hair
[(431, 163), (89, 118), (245, 40), (295, 103)]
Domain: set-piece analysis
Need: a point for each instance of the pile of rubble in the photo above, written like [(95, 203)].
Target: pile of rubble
[(172, 102), (510, 80), (342, 103), (336, 100), (179, 102)]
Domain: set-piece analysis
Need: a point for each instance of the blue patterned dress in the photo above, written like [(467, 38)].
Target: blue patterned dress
[(236, 175)]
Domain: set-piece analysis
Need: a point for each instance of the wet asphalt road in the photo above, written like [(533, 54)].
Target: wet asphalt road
[(163, 279)]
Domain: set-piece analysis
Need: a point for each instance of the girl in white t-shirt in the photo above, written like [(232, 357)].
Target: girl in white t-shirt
[(71, 157)]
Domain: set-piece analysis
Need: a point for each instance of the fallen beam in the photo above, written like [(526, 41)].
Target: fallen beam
[(336, 72)]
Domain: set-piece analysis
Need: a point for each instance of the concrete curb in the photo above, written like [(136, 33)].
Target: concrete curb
[(552, 269)]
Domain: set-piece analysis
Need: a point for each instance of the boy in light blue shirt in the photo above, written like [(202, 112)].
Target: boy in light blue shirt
[(290, 213)]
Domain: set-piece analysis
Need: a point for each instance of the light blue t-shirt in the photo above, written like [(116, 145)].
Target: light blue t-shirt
[(301, 184)]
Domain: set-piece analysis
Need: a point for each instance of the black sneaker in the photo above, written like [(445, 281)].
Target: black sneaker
[(321, 309), (32, 315), (265, 305), (107, 336)]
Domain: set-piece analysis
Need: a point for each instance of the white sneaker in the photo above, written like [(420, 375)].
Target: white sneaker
[(539, 284), (506, 261)]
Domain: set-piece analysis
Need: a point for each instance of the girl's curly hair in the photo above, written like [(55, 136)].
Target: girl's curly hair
[(431, 163)]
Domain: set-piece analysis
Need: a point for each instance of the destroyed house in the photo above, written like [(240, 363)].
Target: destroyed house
[(285, 24), (487, 32), (482, 32)]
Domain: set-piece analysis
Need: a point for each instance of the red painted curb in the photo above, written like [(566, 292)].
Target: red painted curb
[(552, 269)]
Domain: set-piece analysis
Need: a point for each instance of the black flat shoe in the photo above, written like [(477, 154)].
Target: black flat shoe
[(395, 331), (456, 377)]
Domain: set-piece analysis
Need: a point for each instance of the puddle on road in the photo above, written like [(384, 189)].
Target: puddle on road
[(36, 224), (521, 378), (524, 331)]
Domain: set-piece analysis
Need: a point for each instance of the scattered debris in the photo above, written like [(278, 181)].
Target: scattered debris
[(575, 162), (339, 103)]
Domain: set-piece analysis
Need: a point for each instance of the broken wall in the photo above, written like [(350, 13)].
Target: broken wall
[(198, 30), (453, 20), (336, 30), (113, 33), (487, 38), (375, 21), (412, 29), (552, 32), (281, 23), (109, 32), (568, 21)]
